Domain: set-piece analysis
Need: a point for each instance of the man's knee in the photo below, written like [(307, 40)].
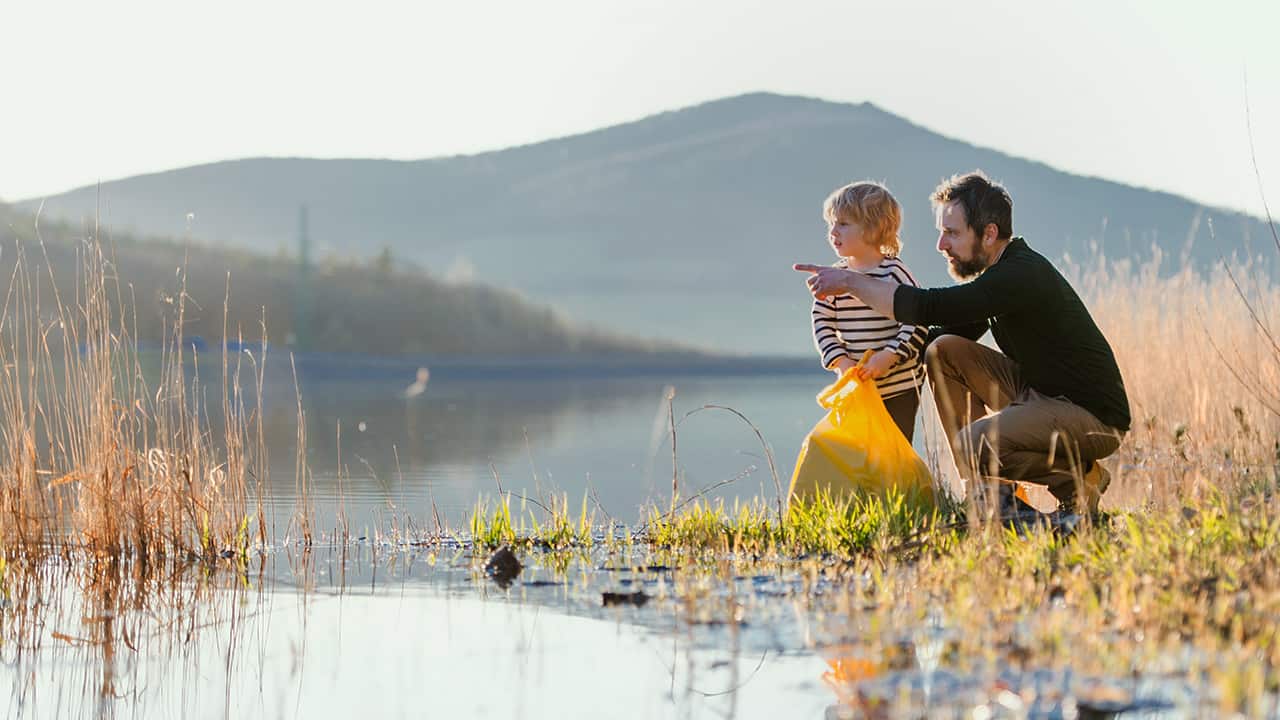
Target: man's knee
[(945, 348), (1099, 444), (979, 443)]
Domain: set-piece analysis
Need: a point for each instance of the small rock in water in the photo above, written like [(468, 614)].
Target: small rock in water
[(503, 566), (637, 598)]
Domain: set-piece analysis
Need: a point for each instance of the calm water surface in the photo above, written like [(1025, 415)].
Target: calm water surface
[(369, 630), (400, 646), (377, 454)]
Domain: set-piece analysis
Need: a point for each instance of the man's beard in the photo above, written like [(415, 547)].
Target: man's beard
[(968, 269)]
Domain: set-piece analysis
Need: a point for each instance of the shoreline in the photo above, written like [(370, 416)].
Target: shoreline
[(342, 365)]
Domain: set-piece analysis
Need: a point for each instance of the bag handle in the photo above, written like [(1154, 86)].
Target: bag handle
[(836, 390)]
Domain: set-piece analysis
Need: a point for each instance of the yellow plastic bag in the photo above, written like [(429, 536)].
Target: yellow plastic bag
[(858, 448)]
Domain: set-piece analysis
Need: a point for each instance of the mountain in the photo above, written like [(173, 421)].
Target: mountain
[(682, 225)]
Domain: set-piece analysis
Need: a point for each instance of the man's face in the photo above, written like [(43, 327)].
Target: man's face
[(966, 257)]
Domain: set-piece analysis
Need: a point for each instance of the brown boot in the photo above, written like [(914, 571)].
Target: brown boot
[(1096, 482)]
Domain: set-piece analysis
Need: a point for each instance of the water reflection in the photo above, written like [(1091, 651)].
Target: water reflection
[(84, 636), (371, 638), (371, 630), (374, 453)]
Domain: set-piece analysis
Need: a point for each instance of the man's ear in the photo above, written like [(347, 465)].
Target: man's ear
[(989, 234)]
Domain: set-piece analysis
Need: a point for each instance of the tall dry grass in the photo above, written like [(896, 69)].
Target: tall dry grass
[(122, 476), (101, 450), (1202, 376)]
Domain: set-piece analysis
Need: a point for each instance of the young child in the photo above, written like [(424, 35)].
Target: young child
[(863, 220)]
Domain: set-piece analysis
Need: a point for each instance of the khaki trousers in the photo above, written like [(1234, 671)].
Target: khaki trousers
[(1026, 436)]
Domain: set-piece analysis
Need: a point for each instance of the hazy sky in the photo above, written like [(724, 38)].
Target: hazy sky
[(1150, 93)]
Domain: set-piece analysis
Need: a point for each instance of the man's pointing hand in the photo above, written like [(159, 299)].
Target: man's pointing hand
[(825, 281)]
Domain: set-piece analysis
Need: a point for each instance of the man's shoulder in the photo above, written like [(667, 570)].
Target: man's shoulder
[(1020, 258), (1019, 271), (1027, 274), (1028, 260), (1020, 251)]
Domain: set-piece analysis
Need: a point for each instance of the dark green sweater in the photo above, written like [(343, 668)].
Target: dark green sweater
[(1037, 320)]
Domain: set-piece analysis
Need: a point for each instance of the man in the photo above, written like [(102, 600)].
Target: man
[(1056, 399)]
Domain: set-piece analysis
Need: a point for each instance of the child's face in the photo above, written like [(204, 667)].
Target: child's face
[(847, 237)]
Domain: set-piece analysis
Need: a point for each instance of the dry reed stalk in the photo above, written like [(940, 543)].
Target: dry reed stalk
[(1193, 361), (91, 453), (303, 517)]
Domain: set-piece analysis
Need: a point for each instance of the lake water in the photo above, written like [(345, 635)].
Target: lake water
[(372, 630), (400, 637), (375, 454)]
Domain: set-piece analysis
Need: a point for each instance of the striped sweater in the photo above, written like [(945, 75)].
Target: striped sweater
[(845, 327)]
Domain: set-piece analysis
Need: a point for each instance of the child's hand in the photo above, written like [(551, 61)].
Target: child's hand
[(839, 366), (878, 364)]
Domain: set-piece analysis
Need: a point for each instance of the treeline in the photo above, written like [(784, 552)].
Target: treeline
[(335, 305)]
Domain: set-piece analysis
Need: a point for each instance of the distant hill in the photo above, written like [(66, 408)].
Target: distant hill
[(364, 307), (681, 225)]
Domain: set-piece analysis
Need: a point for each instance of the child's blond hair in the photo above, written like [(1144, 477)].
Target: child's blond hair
[(872, 206)]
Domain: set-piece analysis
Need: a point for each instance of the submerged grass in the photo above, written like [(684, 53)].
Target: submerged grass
[(1180, 596), (828, 524), (555, 528), (1183, 592)]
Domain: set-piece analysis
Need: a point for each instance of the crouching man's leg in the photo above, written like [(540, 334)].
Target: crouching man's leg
[(969, 380), (1051, 442)]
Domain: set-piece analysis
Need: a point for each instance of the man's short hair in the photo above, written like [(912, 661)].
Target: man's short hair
[(985, 202), (872, 206)]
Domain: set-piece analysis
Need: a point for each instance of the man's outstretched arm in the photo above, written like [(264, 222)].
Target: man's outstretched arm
[(825, 281)]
